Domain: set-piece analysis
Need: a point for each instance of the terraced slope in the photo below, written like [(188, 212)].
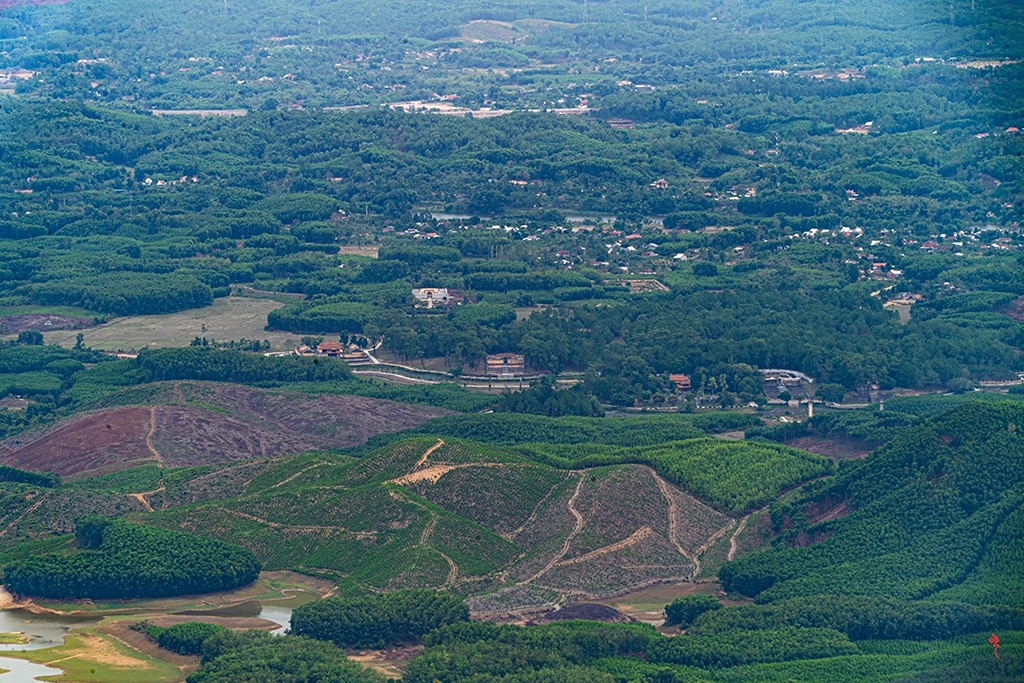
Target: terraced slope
[(485, 521), (429, 512)]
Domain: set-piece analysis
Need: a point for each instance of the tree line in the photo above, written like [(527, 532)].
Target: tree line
[(378, 621)]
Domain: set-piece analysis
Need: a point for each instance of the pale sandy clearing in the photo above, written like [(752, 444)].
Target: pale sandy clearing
[(227, 319)]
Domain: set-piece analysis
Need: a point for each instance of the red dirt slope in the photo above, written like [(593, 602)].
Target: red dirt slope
[(206, 423), (112, 439)]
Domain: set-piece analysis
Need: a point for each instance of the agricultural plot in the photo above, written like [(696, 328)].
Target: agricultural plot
[(512, 493), (228, 318), (545, 533), (735, 476), (422, 512), (512, 598), (426, 568), (368, 509), (141, 478), (695, 522), (642, 559), (186, 436), (474, 549), (277, 548), (615, 503), (458, 452), (16, 501), (390, 462), (199, 484), (344, 420), (57, 510), (312, 469)]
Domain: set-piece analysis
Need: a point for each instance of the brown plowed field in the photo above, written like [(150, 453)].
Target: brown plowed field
[(206, 423)]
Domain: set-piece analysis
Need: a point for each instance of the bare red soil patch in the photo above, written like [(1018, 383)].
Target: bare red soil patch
[(108, 440), (830, 448), (207, 423), (1015, 311), (826, 511)]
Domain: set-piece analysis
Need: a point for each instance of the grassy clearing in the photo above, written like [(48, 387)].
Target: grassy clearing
[(648, 604), (227, 319), (92, 657), (13, 639)]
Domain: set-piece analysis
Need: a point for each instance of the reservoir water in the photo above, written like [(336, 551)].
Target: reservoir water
[(50, 630), (42, 630)]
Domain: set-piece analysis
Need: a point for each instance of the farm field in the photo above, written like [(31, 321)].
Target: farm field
[(227, 319)]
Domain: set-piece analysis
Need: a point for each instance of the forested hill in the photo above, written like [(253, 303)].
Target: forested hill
[(937, 514)]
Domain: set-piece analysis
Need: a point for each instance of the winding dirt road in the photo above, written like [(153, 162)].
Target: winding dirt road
[(733, 544), (568, 539)]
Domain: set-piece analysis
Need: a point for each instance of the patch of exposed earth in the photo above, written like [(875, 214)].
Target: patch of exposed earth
[(43, 322), (831, 448)]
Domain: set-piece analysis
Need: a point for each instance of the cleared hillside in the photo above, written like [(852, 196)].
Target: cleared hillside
[(501, 524), (198, 423), (486, 521)]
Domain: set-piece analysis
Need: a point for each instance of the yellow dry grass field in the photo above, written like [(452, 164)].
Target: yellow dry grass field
[(369, 251), (228, 319)]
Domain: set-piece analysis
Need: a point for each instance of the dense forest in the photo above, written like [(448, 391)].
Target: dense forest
[(378, 621), (119, 560)]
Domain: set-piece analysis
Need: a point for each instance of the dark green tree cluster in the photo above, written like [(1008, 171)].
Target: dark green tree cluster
[(683, 610), (864, 618), (258, 657), (379, 621), (545, 398), (323, 317), (575, 650), (216, 365), (121, 560), (44, 479), (918, 517), (185, 639), (126, 293)]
